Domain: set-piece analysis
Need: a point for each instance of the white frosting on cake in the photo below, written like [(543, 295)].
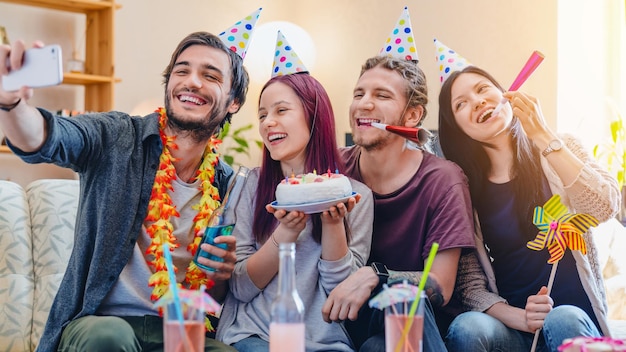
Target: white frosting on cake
[(312, 188)]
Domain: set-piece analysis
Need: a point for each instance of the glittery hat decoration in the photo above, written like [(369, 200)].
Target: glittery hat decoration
[(286, 60), (448, 60), (401, 43), (237, 37)]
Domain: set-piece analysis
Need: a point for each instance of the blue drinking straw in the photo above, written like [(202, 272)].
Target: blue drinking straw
[(177, 305)]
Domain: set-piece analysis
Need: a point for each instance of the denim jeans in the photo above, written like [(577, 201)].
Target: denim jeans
[(431, 339), (252, 344), (108, 333), (475, 331)]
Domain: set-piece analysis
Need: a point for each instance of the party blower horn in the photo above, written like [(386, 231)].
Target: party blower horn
[(414, 134), (533, 61)]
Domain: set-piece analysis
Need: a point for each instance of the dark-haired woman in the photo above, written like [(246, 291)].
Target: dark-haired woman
[(515, 162)]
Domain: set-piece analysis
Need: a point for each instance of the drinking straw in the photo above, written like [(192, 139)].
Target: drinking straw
[(533, 61), (202, 293), (418, 295), (177, 305)]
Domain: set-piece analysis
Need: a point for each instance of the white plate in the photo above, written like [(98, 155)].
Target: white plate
[(313, 208)]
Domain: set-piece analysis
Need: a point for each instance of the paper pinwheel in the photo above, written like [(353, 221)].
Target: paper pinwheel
[(389, 296), (559, 230)]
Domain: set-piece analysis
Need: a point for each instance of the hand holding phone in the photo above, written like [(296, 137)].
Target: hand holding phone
[(41, 67)]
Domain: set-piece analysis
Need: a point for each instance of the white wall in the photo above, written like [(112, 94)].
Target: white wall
[(589, 71), (498, 35)]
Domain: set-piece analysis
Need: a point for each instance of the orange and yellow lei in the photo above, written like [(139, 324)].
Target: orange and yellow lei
[(160, 209)]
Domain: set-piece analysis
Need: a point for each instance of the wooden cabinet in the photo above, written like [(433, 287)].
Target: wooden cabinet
[(99, 76)]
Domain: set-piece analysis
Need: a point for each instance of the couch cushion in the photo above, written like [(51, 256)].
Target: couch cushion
[(16, 269), (53, 205), (610, 238)]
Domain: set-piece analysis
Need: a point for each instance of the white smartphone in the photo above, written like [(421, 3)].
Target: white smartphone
[(42, 67)]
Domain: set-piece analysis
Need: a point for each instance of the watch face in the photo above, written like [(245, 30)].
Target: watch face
[(556, 144)]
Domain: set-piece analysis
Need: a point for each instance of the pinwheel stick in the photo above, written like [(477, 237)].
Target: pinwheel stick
[(550, 283)]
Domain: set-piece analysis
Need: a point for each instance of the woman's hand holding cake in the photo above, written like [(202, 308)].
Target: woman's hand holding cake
[(291, 224)]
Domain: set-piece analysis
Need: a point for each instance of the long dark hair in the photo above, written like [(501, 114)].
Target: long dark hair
[(472, 158), (321, 151)]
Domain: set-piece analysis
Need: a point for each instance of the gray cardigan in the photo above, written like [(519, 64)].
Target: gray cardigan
[(593, 192), (116, 156)]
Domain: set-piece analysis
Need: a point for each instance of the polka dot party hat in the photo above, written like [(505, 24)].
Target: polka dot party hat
[(286, 60), (401, 43), (237, 37), (448, 60)]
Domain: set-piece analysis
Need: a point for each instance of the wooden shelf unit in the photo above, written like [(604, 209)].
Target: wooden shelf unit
[(99, 76)]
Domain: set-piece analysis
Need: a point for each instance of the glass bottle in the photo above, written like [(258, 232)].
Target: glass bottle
[(287, 312), (222, 220)]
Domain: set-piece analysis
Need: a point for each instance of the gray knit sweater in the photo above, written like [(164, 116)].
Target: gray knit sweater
[(246, 310)]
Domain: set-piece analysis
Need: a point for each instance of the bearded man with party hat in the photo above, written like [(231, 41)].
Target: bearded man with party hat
[(419, 198), (144, 182)]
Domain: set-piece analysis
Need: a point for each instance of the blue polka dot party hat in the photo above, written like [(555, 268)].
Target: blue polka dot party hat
[(237, 37), (401, 43), (286, 60), (448, 60)]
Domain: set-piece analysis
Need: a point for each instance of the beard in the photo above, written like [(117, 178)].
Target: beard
[(372, 144), (377, 143), (199, 131)]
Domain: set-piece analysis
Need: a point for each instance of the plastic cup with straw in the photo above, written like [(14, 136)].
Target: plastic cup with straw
[(418, 296), (177, 304)]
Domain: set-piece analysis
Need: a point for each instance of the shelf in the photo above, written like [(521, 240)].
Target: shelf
[(86, 79), (78, 6), (99, 75)]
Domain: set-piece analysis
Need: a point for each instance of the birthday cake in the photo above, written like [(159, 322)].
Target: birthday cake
[(592, 344), (312, 188)]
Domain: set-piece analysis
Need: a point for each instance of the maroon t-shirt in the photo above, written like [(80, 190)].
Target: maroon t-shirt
[(434, 206)]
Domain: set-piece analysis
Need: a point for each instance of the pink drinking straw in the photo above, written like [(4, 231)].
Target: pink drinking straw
[(533, 61)]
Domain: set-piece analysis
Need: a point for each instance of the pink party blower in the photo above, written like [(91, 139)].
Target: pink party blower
[(533, 61), (414, 134)]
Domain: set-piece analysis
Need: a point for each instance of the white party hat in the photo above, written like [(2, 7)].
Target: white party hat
[(237, 37), (448, 60), (286, 60), (401, 43)]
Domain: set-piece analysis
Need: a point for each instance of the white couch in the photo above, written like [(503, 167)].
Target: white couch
[(37, 233), (36, 237)]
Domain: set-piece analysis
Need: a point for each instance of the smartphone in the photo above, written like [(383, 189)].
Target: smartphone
[(42, 67)]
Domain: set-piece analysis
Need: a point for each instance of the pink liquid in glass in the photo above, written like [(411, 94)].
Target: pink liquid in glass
[(173, 341), (394, 325), (287, 337)]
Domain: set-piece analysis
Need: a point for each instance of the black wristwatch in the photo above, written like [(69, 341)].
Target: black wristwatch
[(381, 271)]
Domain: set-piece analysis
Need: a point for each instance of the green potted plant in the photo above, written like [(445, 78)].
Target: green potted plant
[(234, 143), (612, 155)]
